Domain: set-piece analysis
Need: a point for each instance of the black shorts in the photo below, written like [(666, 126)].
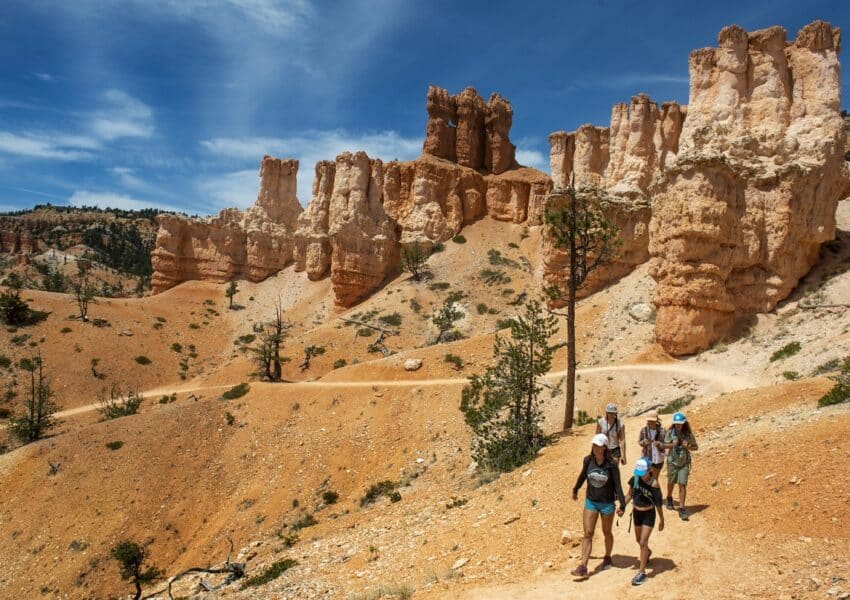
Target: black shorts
[(644, 518), (615, 453)]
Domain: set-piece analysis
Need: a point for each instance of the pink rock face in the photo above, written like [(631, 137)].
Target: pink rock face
[(740, 214), (16, 240), (255, 244), (440, 136), (312, 244)]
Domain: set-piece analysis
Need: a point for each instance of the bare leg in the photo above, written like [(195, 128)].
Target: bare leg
[(644, 546), (670, 485), (590, 517), (607, 524), (683, 494)]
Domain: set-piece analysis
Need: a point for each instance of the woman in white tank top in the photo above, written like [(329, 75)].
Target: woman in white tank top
[(614, 428)]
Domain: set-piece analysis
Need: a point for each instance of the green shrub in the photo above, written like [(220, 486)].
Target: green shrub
[(330, 497), (5, 361), (840, 392), (340, 363), (786, 351), (395, 496), (194, 326), (394, 319), (829, 366), (229, 418), (494, 277), (503, 324), (455, 360), (118, 404), (481, 308), (237, 391), (438, 247), (161, 320), (440, 286), (175, 347), (114, 445), (364, 332), (414, 305), (306, 520), (791, 375), (5, 413), (65, 330), (376, 490), (143, 360), (676, 405), (19, 340), (166, 399), (496, 259), (459, 239), (271, 573), (513, 245), (582, 418)]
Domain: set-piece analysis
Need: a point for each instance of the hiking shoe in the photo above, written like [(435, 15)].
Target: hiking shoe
[(683, 514), (579, 571), (639, 579), (607, 563), (669, 503)]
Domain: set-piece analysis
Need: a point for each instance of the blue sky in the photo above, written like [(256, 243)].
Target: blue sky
[(172, 103)]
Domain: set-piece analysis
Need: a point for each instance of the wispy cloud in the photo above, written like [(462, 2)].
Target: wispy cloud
[(112, 200), (122, 117), (308, 147), (46, 77), (127, 177), (237, 188), (628, 81), (275, 17), (55, 147)]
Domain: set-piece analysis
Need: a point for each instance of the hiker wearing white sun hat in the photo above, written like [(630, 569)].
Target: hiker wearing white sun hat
[(603, 487), (646, 493), (680, 441), (615, 429)]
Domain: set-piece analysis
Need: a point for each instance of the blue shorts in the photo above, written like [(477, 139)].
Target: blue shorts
[(604, 508)]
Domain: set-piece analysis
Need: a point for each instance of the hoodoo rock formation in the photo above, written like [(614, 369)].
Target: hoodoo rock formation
[(733, 195), (740, 215), (253, 244), (362, 211)]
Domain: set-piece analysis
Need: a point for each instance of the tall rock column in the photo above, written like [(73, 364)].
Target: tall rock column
[(741, 213), (498, 150), (470, 129), (312, 243), (440, 138)]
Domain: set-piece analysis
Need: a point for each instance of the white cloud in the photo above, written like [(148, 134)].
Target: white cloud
[(47, 77), (275, 17), (128, 178), (238, 188), (532, 158), (112, 200), (309, 148), (56, 147), (122, 117)]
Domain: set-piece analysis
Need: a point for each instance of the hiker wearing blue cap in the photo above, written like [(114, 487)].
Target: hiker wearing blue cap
[(680, 441), (646, 493)]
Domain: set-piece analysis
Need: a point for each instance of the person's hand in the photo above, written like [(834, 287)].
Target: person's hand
[(623, 460), (661, 525), (575, 495), (620, 512)]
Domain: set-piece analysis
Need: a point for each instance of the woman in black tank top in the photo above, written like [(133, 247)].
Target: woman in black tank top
[(646, 494)]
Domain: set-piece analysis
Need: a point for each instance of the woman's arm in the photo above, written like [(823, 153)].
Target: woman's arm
[(622, 438), (581, 477), (618, 486)]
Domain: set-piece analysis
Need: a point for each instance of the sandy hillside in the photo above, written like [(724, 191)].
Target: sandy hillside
[(194, 472)]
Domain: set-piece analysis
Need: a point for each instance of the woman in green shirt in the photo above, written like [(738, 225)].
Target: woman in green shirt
[(680, 442)]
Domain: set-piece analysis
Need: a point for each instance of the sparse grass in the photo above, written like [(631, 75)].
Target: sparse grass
[(330, 497), (340, 363), (364, 332), (237, 391), (497, 260), (414, 305), (393, 319), (396, 591), (288, 539), (459, 239), (582, 418), (271, 573), (456, 502), (786, 351), (829, 366), (175, 347), (676, 405), (19, 340), (439, 286), (791, 375), (494, 277), (503, 324), (143, 360), (168, 399), (114, 445)]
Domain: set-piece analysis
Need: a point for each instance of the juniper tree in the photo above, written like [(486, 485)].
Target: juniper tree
[(270, 336), (413, 259), (231, 291), (131, 560), (579, 227), (39, 406), (501, 405), (446, 317), (83, 288)]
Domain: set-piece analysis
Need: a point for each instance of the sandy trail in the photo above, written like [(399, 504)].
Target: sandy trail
[(721, 382)]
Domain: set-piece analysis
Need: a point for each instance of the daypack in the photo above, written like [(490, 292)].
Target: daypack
[(645, 493)]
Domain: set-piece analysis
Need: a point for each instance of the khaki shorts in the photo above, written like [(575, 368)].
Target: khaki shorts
[(678, 474)]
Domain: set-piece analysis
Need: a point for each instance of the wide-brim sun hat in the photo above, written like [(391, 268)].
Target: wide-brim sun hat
[(652, 415), (611, 408), (641, 467), (679, 418), (600, 439)]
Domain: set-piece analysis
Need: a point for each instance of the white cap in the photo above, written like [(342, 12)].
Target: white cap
[(600, 439)]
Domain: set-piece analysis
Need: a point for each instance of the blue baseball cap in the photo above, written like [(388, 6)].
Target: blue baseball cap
[(641, 467), (679, 418)]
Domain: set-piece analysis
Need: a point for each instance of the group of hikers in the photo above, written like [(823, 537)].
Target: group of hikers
[(601, 471)]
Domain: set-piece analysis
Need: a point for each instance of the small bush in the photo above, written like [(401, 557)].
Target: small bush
[(340, 363), (513, 245), (582, 418), (246, 339), (364, 332), (456, 502), (229, 418), (393, 319), (119, 405), (494, 277), (19, 340), (481, 308), (459, 239), (829, 366), (194, 326), (791, 375), (414, 305), (496, 259), (161, 320), (143, 360), (452, 336), (5, 413), (438, 247), (455, 360), (676, 405), (114, 445), (5, 361), (305, 521), (175, 347), (786, 351), (166, 399), (330, 497), (503, 324), (376, 490), (440, 286), (237, 391), (65, 330), (394, 496), (274, 571), (841, 390)]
